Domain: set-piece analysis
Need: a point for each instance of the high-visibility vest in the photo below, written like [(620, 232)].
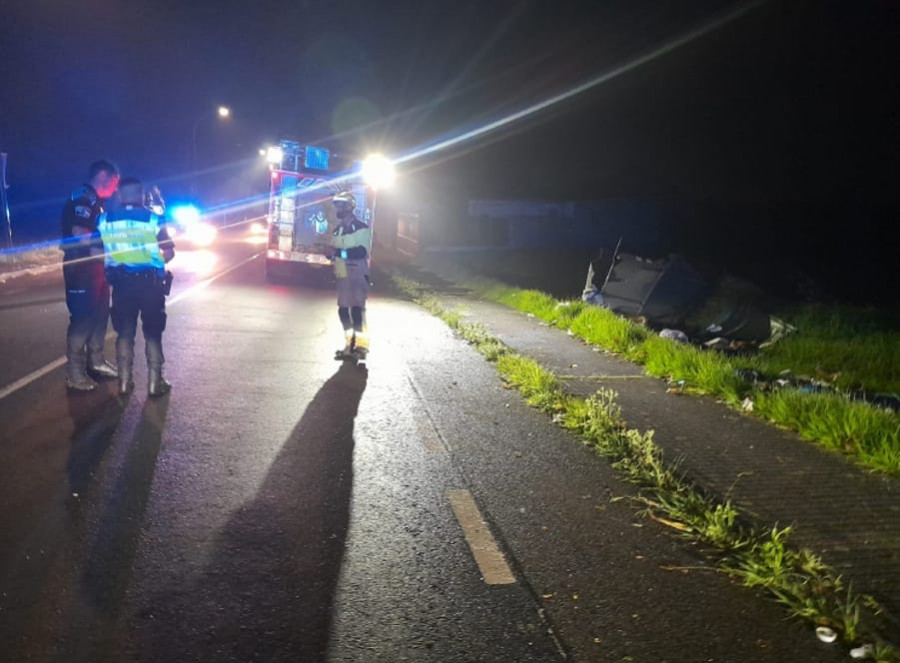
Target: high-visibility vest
[(131, 238), (353, 242)]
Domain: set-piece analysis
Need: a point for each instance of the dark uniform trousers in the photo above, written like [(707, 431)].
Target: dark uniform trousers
[(87, 298), (140, 292)]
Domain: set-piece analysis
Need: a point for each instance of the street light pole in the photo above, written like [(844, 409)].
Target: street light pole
[(224, 112)]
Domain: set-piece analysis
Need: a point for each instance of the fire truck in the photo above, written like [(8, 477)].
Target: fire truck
[(301, 219)]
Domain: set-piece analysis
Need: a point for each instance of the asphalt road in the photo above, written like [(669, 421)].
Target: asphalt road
[(281, 506)]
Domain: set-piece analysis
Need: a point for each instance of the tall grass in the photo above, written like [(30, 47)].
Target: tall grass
[(869, 435), (851, 348)]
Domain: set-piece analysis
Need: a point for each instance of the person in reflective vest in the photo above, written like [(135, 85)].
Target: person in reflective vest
[(137, 248), (351, 241), (87, 292)]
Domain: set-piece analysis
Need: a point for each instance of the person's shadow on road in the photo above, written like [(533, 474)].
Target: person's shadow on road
[(267, 592), (95, 416)]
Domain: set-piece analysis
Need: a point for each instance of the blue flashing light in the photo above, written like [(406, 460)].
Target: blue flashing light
[(185, 215), (316, 158)]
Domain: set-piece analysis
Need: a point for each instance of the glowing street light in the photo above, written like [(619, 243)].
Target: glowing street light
[(224, 112)]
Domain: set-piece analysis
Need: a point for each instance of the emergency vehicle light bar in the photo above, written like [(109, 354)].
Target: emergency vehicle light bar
[(292, 156)]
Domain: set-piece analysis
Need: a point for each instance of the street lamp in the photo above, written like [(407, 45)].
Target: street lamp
[(224, 112)]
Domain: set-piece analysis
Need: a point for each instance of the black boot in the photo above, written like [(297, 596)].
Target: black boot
[(156, 384), (98, 366), (125, 360), (76, 369)]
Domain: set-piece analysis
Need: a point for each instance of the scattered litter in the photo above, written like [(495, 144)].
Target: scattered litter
[(676, 386), (573, 365), (826, 634), (674, 335), (558, 418), (748, 374), (569, 332), (866, 651), (717, 343), (805, 385), (530, 315), (592, 296), (747, 405), (779, 329), (74, 494)]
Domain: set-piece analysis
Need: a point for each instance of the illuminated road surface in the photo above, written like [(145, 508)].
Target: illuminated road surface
[(280, 506)]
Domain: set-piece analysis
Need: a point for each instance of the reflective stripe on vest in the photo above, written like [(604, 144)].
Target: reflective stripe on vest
[(359, 237), (131, 241)]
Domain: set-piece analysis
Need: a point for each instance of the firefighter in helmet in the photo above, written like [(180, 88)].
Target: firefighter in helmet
[(352, 242)]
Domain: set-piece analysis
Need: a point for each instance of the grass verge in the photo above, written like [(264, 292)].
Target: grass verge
[(867, 434), (756, 556)]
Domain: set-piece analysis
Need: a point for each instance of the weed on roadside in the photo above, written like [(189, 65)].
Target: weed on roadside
[(757, 557)]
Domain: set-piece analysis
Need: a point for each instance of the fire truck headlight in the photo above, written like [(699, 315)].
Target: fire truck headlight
[(378, 171), (275, 155)]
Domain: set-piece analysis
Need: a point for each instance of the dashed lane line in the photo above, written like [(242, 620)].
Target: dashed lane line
[(490, 560), (56, 363)]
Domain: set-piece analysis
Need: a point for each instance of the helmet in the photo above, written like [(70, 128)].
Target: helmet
[(345, 197)]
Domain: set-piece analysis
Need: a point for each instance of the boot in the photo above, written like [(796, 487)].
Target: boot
[(98, 365), (361, 346), (125, 360), (76, 369), (156, 384), (347, 351)]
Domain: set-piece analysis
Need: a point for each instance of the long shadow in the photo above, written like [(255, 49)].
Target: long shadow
[(109, 561), (108, 565), (268, 590), (96, 416), (33, 572)]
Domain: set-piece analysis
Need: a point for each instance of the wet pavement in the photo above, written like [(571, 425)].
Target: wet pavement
[(281, 506)]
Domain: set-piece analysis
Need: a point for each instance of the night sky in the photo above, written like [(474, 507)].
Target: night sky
[(781, 124)]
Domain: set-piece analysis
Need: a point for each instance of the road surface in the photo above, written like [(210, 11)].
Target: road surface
[(281, 506)]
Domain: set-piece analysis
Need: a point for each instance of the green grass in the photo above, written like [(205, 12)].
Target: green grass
[(825, 342), (850, 427), (851, 348), (758, 557)]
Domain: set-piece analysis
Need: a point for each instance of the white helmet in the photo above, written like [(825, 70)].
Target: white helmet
[(345, 197)]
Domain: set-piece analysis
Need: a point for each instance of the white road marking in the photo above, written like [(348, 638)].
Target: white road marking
[(490, 560), (56, 363)]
